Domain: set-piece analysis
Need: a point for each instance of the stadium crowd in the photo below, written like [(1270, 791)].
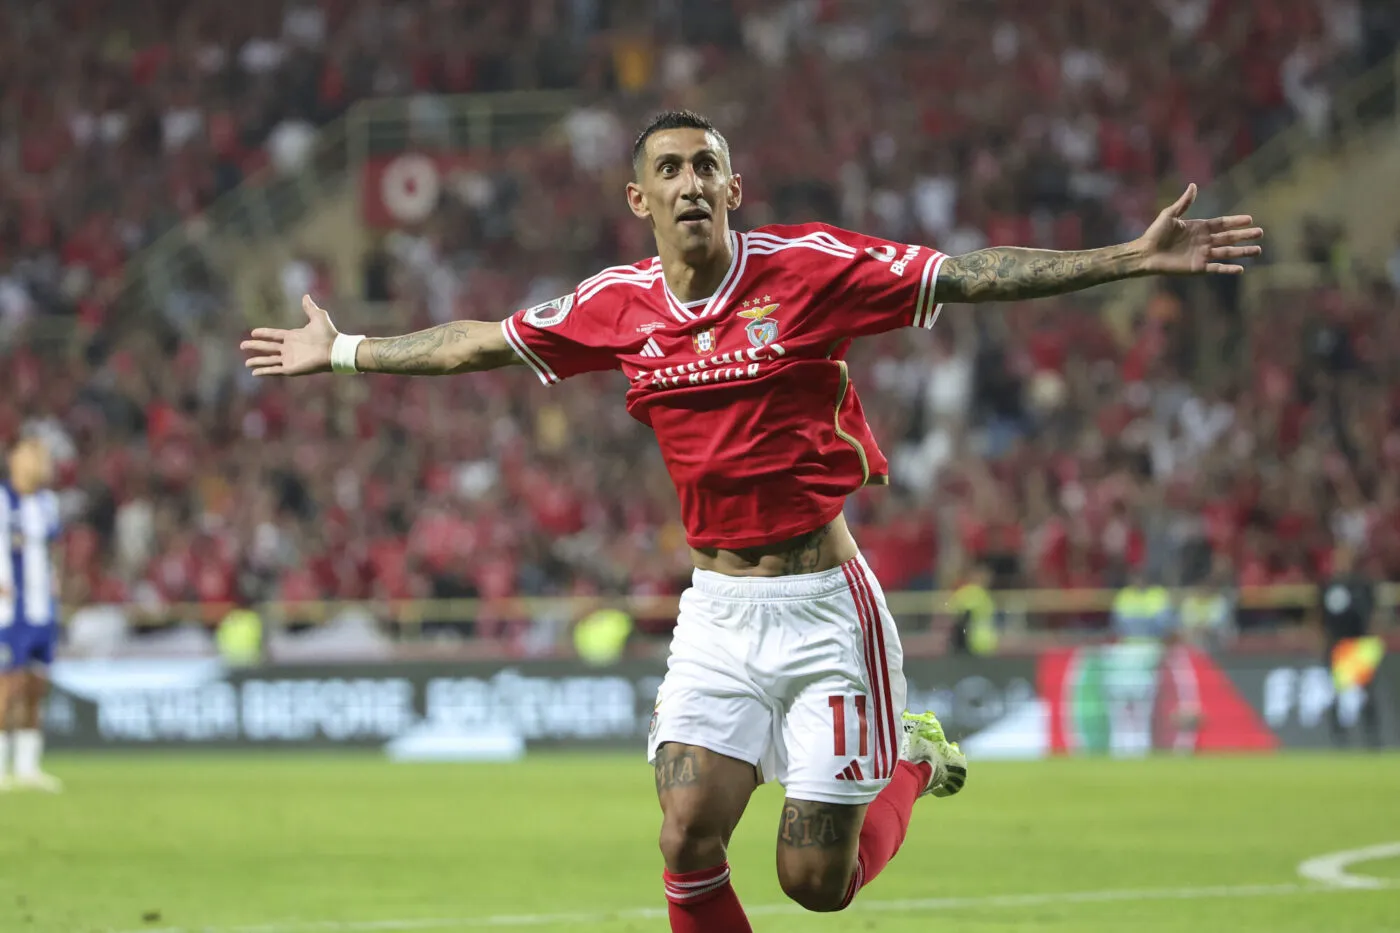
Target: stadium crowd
[(1030, 438), (964, 123)]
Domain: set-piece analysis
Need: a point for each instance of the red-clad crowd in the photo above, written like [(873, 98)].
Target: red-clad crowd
[(1025, 437), (1262, 468), (1000, 121), (1032, 438)]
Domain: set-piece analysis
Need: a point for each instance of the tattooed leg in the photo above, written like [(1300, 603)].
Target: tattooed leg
[(817, 848), (702, 794)]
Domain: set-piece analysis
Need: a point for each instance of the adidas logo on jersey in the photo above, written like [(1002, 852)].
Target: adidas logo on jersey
[(652, 349)]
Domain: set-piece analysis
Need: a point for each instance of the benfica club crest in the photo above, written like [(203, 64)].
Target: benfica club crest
[(704, 341), (762, 329)]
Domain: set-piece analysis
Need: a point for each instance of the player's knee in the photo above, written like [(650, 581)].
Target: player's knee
[(691, 843), (815, 890)]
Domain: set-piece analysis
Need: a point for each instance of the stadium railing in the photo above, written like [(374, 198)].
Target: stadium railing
[(1266, 617)]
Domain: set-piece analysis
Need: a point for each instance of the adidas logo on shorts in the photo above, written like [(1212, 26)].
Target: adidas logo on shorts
[(851, 772)]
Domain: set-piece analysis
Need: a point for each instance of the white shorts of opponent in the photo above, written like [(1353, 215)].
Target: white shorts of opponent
[(801, 676)]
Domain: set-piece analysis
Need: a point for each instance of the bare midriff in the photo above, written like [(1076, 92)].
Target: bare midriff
[(816, 551)]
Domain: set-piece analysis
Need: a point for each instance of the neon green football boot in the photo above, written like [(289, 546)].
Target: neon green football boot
[(924, 741)]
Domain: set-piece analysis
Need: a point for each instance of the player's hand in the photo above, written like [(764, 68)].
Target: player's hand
[(293, 352), (1175, 246)]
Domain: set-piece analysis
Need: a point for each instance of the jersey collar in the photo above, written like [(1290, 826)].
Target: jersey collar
[(711, 306)]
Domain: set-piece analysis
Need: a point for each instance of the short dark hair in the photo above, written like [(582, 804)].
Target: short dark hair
[(674, 120)]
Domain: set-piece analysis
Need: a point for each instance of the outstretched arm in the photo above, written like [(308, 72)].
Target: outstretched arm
[(1171, 246), (455, 347)]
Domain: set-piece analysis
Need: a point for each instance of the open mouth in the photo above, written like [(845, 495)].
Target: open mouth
[(693, 215)]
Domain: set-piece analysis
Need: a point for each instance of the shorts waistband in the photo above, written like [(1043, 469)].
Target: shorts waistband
[(792, 586)]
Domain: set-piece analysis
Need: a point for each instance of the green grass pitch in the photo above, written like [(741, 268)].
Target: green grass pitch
[(232, 843)]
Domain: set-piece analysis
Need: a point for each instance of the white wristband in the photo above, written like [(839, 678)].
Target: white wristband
[(343, 352)]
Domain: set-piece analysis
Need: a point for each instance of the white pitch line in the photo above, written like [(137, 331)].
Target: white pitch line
[(767, 910), (1331, 869)]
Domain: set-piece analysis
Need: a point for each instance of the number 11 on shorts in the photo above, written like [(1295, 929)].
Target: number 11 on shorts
[(838, 704)]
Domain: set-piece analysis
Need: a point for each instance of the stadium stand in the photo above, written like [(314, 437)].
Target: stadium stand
[(1036, 440)]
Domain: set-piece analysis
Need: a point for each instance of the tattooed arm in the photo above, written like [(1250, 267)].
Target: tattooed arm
[(1010, 273), (1171, 246), (455, 347)]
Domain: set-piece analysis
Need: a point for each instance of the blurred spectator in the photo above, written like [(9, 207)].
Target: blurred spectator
[(1207, 611), (1348, 612), (1142, 611), (974, 624)]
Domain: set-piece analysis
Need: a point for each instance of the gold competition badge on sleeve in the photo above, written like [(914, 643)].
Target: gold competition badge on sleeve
[(551, 312)]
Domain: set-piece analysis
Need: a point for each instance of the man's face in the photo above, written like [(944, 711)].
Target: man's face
[(686, 189), (30, 465)]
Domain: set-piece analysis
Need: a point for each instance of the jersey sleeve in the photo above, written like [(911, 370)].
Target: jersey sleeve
[(882, 284), (565, 337)]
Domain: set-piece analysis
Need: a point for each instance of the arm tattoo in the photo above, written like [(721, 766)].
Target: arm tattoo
[(676, 766), (422, 353), (1010, 273), (807, 824)]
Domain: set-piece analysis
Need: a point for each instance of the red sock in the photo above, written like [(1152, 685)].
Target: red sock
[(886, 822), (705, 902)]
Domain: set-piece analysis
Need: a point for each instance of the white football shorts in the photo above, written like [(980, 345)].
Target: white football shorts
[(801, 676)]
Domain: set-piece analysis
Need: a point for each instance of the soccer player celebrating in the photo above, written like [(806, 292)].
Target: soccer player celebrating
[(785, 663), (29, 522)]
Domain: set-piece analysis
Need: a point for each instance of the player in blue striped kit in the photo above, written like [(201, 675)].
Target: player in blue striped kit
[(29, 524)]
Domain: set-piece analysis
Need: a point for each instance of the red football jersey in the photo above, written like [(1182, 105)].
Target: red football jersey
[(747, 390)]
